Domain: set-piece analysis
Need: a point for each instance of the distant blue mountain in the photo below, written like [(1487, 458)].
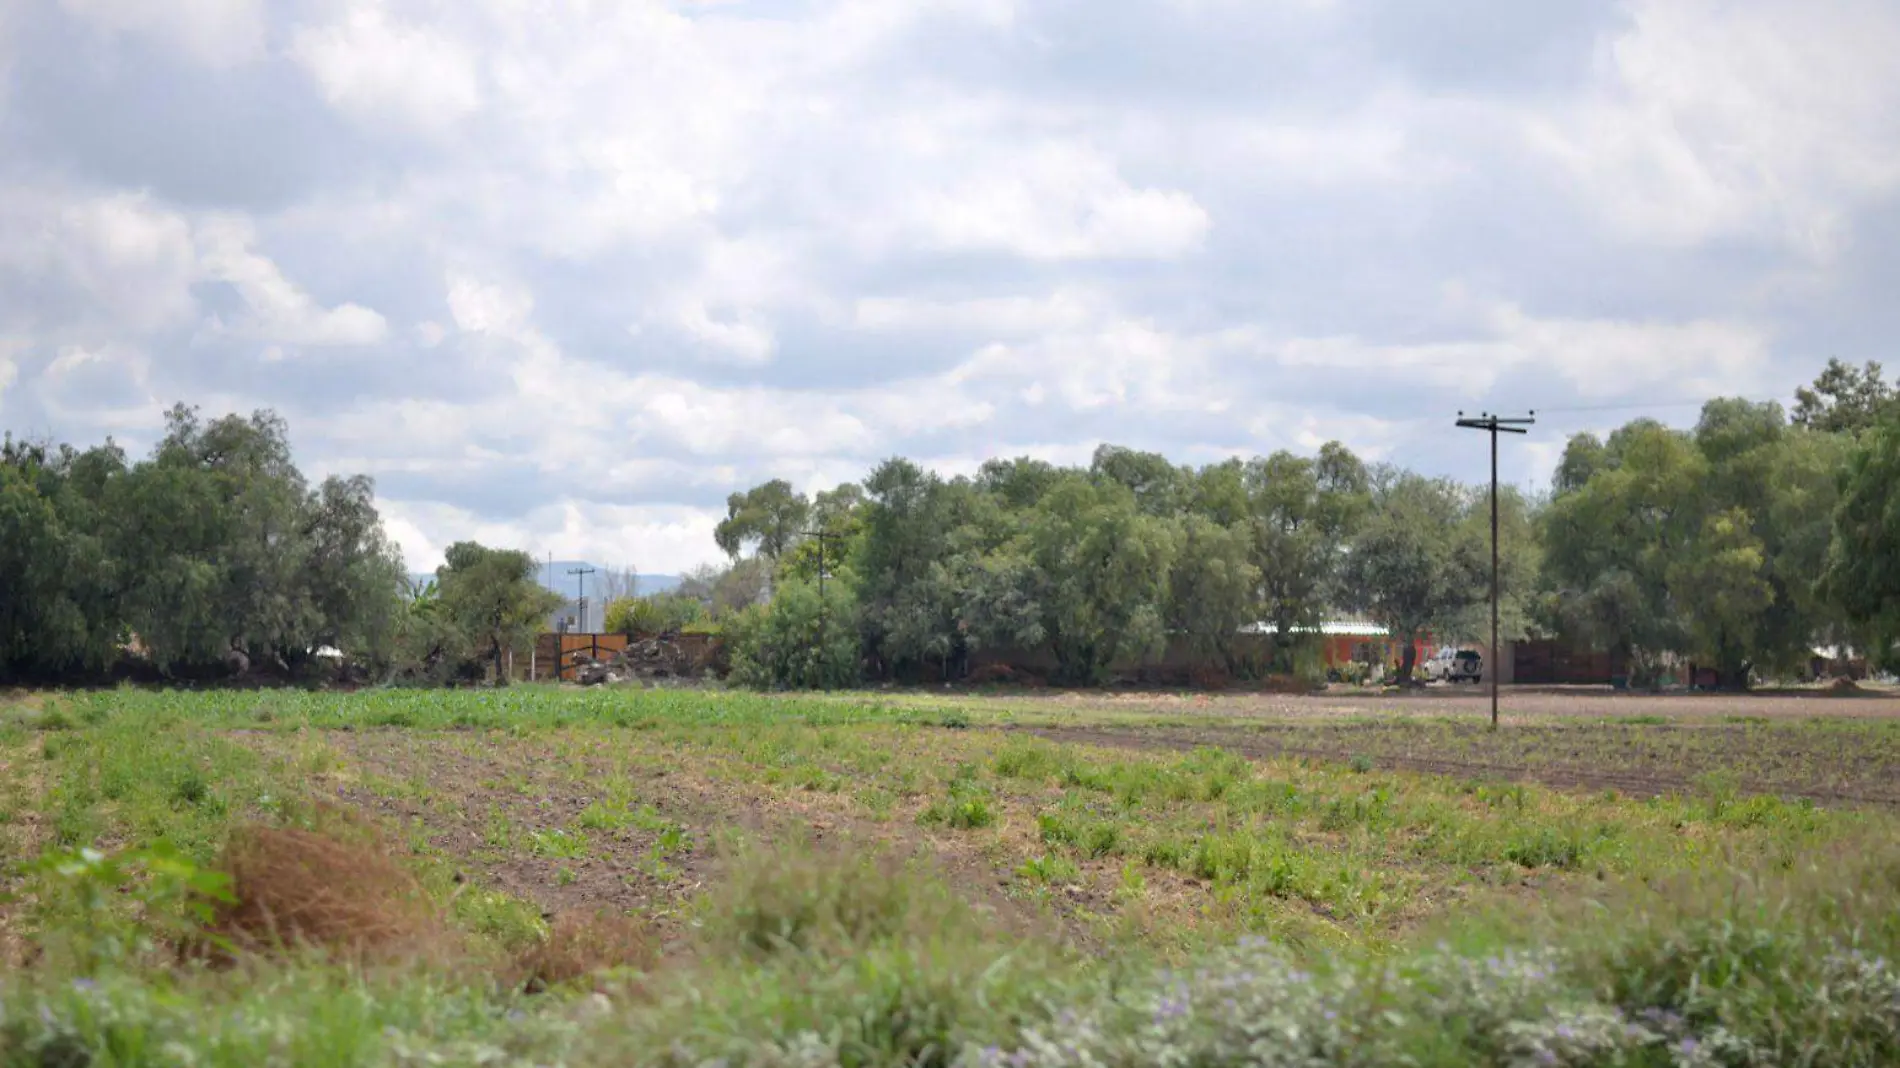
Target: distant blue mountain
[(557, 579)]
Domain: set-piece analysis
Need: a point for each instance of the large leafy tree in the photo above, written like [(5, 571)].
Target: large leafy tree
[(202, 541), (1017, 483), (770, 516), (999, 597), (1724, 592), (800, 641), (1704, 544), (490, 597), (350, 575), (733, 587), (1103, 571), (1845, 398), (1520, 552), (1611, 537), (1161, 489), (904, 563), (1779, 482), (1211, 587), (256, 523), (1584, 455), (1219, 492), (213, 551), (1863, 569), (224, 549), (1302, 513), (60, 611), (837, 517), (1414, 566)]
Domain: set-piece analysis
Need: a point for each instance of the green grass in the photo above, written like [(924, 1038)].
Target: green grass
[(819, 959), (557, 843), (1048, 868), (1367, 851), (518, 708), (619, 816)]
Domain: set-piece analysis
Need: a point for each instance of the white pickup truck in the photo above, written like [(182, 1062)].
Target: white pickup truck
[(1453, 665)]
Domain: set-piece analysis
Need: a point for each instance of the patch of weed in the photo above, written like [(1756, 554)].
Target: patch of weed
[(558, 843), (1048, 868)]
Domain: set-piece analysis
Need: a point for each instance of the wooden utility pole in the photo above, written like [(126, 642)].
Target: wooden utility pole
[(824, 610), (580, 603), (1495, 425)]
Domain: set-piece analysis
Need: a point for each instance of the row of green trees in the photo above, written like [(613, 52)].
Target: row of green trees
[(1107, 564), (213, 550), (1739, 544), (215, 554)]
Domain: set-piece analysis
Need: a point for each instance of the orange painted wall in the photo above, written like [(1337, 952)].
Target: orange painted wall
[(1339, 648)]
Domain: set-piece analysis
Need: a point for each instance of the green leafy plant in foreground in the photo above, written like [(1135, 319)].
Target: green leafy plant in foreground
[(79, 894)]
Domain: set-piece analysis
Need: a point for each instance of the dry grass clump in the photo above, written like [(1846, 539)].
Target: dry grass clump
[(579, 945), (306, 889)]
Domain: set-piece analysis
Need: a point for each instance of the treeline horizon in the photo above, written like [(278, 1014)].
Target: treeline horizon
[(1741, 543), (216, 557)]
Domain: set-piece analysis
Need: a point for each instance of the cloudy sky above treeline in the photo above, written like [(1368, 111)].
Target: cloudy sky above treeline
[(563, 274)]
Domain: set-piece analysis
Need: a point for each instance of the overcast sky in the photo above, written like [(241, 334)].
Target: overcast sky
[(561, 275)]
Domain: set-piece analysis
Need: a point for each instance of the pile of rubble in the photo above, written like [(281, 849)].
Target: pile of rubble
[(659, 657)]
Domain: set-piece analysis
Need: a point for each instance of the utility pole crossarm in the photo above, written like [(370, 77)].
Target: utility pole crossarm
[(1498, 425)]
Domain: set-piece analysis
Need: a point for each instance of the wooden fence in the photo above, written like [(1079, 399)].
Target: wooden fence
[(1550, 663)]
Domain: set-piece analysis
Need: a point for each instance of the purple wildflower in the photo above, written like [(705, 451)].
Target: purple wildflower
[(1170, 1008)]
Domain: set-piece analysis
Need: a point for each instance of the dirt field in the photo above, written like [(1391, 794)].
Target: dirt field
[(1821, 745), (584, 817), (588, 820), (702, 854), (1104, 814), (1516, 706)]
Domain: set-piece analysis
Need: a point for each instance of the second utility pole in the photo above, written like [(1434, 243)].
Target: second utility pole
[(1495, 425), (824, 610), (580, 603)]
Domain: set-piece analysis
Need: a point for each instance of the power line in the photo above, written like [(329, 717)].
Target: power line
[(1644, 405)]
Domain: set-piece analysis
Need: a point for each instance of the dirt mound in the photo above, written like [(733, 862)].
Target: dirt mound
[(294, 888), (658, 656)]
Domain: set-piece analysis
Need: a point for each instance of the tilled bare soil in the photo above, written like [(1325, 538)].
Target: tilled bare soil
[(1518, 705), (1639, 759), (457, 786)]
